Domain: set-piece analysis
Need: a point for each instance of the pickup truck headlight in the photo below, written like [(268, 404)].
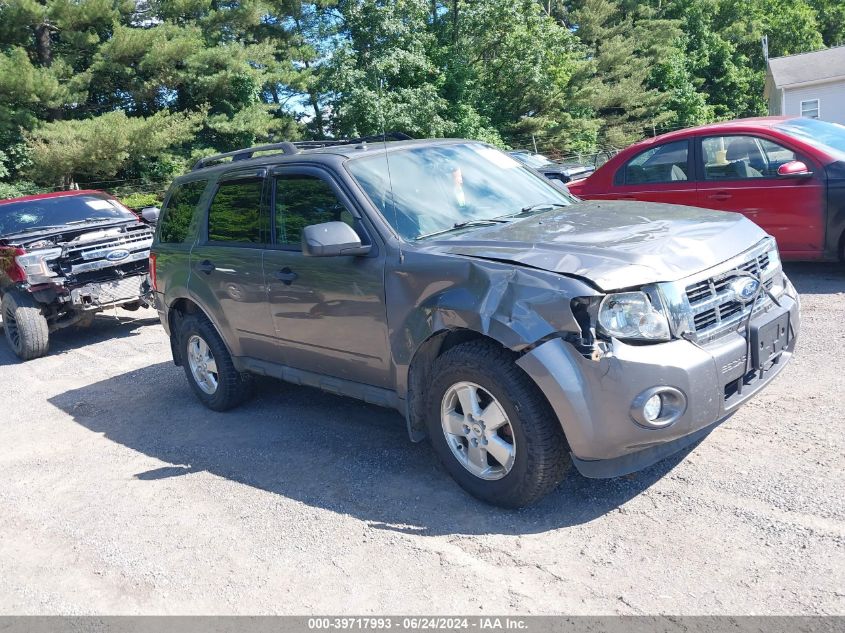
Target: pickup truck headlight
[(630, 315), (35, 266)]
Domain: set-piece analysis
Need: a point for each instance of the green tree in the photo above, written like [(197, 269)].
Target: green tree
[(382, 77), (509, 66), (830, 15), (64, 152), (624, 42)]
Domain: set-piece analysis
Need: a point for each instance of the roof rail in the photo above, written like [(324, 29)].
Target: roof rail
[(286, 147), (333, 142), (295, 147)]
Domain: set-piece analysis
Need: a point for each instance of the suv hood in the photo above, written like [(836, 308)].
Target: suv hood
[(615, 244)]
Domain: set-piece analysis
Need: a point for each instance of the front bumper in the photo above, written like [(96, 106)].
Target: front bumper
[(592, 398)]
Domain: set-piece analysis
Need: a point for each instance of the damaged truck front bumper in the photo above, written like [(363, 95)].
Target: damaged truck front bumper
[(105, 294), (599, 399)]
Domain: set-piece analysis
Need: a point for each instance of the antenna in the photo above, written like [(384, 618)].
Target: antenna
[(387, 163)]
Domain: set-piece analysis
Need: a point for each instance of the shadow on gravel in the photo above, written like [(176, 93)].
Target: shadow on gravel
[(816, 278), (323, 450), (106, 326)]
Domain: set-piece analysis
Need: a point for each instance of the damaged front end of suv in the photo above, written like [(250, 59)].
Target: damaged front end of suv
[(63, 258)]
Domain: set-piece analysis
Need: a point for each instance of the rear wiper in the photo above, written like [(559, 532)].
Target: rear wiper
[(461, 225)]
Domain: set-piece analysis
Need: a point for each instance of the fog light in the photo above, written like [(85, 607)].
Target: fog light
[(652, 407), (658, 407)]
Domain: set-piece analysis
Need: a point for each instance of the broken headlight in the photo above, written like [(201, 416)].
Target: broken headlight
[(630, 315), (35, 266)]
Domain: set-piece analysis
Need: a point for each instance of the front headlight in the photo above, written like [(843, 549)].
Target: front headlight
[(35, 266), (630, 315)]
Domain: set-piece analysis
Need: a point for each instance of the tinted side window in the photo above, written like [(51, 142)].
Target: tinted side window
[(302, 201), (664, 163), (176, 217), (235, 213)]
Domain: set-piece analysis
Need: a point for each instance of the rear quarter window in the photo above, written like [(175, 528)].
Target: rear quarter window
[(178, 213)]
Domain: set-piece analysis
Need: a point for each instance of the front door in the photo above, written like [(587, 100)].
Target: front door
[(227, 274), (329, 312), (739, 173)]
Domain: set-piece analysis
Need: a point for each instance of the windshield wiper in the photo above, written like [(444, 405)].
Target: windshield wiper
[(540, 205), (461, 225), (97, 220), (34, 229), (71, 224)]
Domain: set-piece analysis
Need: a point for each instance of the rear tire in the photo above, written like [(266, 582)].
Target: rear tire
[(208, 366), (511, 451), (24, 324)]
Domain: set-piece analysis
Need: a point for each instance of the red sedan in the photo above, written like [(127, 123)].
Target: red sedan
[(786, 174)]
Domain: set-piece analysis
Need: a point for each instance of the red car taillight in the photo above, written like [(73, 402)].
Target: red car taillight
[(9, 264), (153, 277)]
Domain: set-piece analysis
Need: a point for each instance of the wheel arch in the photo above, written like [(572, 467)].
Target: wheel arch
[(419, 372), (176, 314)]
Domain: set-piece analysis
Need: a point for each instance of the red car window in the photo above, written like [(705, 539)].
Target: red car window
[(664, 163), (741, 157)]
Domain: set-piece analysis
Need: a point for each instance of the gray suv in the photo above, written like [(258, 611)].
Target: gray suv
[(516, 327)]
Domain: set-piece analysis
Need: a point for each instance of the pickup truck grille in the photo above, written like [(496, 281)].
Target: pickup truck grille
[(132, 246), (715, 308)]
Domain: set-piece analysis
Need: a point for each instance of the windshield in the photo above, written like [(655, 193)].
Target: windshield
[(30, 215), (436, 188), (829, 137)]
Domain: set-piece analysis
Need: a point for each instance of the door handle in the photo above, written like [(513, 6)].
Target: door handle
[(286, 276), (206, 267), (720, 195)]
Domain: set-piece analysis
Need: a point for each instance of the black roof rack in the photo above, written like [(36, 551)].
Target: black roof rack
[(289, 147)]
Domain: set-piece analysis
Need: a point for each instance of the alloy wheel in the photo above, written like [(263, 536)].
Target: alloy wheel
[(477, 430), (202, 364)]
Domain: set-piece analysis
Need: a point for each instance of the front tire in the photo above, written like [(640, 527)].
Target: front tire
[(209, 368), (26, 328), (491, 427)]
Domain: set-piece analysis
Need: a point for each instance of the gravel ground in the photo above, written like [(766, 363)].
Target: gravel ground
[(120, 494)]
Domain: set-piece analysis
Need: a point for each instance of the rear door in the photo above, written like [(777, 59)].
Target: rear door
[(739, 173), (175, 236), (328, 312), (663, 173), (227, 273)]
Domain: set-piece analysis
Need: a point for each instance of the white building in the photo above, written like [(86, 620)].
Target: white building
[(809, 84)]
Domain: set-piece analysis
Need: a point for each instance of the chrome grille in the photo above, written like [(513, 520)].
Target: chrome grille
[(92, 256), (705, 305), (130, 242)]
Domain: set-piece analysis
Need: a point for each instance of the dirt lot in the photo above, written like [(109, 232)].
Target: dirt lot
[(120, 494)]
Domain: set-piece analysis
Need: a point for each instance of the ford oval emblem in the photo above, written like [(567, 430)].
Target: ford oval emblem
[(745, 288), (117, 255)]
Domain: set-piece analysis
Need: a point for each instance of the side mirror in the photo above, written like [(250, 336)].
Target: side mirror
[(331, 239), (150, 214), (794, 169)]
